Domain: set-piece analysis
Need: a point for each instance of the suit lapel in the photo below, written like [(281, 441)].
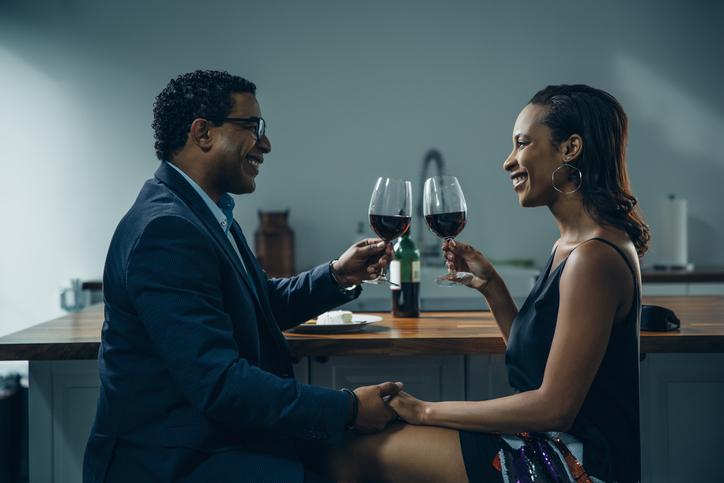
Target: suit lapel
[(174, 180), (259, 281), (224, 241), (252, 276), (252, 267)]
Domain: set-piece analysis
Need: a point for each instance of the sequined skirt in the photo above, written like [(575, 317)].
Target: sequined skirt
[(524, 458)]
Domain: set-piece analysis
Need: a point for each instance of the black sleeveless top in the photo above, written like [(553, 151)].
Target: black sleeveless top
[(608, 422)]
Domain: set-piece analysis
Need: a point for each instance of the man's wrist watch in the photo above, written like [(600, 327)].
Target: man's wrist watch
[(342, 288)]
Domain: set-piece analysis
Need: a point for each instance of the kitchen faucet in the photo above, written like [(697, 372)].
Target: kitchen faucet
[(428, 250)]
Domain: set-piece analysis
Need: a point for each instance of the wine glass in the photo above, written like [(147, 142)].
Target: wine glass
[(390, 213), (446, 215)]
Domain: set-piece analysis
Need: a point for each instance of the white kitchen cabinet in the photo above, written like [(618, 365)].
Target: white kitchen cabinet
[(682, 422), (690, 288), (301, 369), (682, 396), (682, 416), (661, 289), (62, 405), (432, 378), (486, 377), (705, 289)]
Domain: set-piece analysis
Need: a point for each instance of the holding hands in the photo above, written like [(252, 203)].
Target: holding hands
[(409, 408), (373, 411), (378, 405)]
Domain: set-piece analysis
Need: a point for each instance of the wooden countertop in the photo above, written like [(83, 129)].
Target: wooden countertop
[(77, 336)]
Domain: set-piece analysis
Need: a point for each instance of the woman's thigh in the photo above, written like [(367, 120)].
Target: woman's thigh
[(400, 453)]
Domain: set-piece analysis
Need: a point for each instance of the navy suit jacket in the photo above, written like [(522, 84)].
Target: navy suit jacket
[(196, 376)]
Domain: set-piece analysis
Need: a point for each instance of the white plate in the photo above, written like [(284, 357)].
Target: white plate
[(359, 321)]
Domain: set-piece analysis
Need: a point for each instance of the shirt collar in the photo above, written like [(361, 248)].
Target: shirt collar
[(223, 212)]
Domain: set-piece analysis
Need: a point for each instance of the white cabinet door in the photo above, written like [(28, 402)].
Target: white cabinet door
[(693, 288), (682, 397), (682, 417), (705, 289), (660, 289), (431, 378), (301, 369), (62, 398), (486, 377)]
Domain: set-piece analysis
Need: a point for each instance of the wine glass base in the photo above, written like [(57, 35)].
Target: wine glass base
[(454, 279), (380, 281)]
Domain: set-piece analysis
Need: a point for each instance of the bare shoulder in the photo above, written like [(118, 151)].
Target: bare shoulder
[(595, 270), (595, 256)]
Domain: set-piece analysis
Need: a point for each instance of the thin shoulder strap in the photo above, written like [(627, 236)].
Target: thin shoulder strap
[(637, 290), (625, 258)]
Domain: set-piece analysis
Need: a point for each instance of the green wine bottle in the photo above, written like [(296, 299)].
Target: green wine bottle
[(405, 271)]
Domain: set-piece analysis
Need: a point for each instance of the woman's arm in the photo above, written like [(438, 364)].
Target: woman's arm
[(595, 285), (462, 257)]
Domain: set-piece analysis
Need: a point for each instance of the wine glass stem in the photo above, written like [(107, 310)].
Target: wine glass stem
[(449, 270), (382, 268)]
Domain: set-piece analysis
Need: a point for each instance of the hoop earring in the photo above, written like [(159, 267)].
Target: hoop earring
[(578, 175)]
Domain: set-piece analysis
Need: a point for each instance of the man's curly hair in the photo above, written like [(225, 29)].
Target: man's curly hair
[(187, 97)]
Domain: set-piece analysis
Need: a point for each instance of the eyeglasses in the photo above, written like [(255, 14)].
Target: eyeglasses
[(260, 123)]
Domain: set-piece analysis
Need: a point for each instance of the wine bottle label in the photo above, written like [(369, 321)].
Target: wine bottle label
[(415, 271), (394, 273)]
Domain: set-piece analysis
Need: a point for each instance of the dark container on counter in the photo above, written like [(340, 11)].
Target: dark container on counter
[(274, 244)]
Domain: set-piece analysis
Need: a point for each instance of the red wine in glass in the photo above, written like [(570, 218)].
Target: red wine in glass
[(390, 212), (389, 227), (447, 225), (446, 214)]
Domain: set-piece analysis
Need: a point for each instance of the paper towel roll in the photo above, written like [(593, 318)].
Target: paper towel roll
[(673, 233)]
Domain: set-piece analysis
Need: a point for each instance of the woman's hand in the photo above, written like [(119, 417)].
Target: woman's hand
[(409, 408), (464, 258)]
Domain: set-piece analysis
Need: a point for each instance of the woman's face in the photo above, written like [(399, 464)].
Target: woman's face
[(533, 159)]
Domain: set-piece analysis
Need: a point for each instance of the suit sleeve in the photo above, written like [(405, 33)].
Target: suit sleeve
[(173, 277), (298, 299)]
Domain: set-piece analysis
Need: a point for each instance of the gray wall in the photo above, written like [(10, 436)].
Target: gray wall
[(351, 91)]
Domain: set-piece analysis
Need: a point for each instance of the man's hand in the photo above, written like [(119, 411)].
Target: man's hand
[(373, 411), (362, 261)]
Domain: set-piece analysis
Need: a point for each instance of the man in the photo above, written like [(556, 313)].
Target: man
[(196, 376)]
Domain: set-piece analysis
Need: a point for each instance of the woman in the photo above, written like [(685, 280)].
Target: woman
[(572, 349)]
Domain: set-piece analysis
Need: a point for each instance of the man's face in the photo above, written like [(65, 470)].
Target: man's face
[(237, 154)]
